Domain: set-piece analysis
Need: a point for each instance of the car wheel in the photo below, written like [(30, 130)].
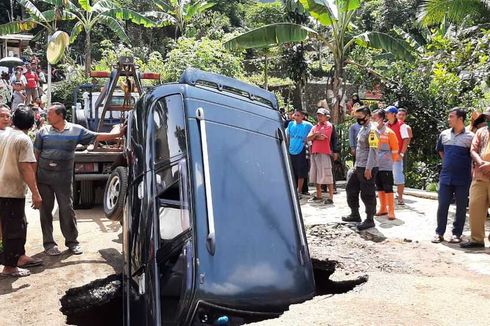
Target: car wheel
[(115, 194)]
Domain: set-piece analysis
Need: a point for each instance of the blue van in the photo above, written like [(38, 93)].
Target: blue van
[(213, 231)]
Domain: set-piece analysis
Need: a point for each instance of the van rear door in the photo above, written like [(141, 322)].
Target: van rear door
[(256, 254)]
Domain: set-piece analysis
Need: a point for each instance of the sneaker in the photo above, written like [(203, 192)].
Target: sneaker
[(437, 239), (328, 201), (455, 239), (53, 251), (470, 245), (367, 224), (314, 199), (351, 218), (76, 250)]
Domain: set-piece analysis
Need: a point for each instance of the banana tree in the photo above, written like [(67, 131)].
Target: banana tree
[(48, 20), (433, 12), (337, 15), (101, 12), (178, 12), (269, 36)]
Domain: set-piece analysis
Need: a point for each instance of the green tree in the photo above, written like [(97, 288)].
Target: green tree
[(179, 13), (205, 54), (339, 38), (433, 12), (101, 12)]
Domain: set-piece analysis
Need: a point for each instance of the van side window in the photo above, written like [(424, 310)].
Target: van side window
[(169, 120), (173, 210)]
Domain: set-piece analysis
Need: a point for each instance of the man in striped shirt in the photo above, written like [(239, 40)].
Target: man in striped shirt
[(55, 151)]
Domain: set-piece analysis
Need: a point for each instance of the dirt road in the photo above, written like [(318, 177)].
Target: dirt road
[(34, 300), (411, 281)]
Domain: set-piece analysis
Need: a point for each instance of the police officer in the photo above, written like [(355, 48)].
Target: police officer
[(366, 166)]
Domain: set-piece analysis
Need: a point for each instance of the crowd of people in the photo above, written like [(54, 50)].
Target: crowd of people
[(24, 86), (46, 168), (379, 142)]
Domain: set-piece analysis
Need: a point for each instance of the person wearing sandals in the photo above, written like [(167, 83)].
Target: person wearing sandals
[(323, 144), (55, 150), (480, 186), (403, 136), (297, 132), (387, 153), (17, 168), (453, 146), (362, 180)]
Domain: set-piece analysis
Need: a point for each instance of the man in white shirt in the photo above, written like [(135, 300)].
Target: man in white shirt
[(17, 165), (407, 135)]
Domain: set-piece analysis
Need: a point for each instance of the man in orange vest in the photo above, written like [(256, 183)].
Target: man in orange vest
[(387, 153)]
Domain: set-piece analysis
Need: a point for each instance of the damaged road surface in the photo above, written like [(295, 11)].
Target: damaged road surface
[(101, 301), (97, 303), (409, 282)]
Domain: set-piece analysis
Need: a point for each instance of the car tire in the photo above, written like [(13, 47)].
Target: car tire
[(115, 194)]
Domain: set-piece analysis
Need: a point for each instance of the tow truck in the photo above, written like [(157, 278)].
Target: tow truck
[(100, 169)]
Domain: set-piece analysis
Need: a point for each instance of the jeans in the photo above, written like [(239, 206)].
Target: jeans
[(446, 193), (398, 176)]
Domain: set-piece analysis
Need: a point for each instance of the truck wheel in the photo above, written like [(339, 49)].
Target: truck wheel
[(83, 194), (115, 194), (86, 194)]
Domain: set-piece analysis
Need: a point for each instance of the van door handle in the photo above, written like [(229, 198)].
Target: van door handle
[(211, 238), (292, 188)]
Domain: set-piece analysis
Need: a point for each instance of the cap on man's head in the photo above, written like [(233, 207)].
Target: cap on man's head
[(323, 111), (363, 109), (391, 109)]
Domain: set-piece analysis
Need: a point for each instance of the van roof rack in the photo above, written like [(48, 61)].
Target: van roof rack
[(196, 77)]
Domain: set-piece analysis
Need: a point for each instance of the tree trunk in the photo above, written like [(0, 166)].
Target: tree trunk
[(88, 53), (301, 88), (338, 92), (48, 95), (266, 72)]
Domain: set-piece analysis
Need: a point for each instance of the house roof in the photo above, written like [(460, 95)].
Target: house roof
[(17, 37)]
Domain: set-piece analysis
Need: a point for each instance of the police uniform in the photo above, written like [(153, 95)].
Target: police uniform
[(366, 158)]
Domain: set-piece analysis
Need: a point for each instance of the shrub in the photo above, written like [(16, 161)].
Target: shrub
[(205, 54)]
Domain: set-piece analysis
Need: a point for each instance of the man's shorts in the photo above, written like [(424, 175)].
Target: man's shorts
[(384, 181), (321, 169), (32, 92), (300, 164), (398, 175)]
